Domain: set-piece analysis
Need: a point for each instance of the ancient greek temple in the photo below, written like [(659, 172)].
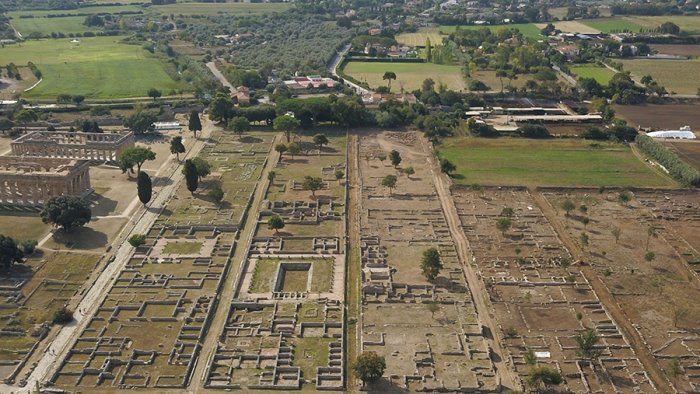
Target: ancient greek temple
[(80, 146), (32, 181), (45, 164)]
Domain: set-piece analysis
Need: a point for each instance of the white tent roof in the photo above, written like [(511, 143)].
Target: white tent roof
[(684, 133)]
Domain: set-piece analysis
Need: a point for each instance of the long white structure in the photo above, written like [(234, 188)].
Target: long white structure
[(685, 133)]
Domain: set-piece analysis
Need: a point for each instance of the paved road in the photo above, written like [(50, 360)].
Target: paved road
[(60, 346), (220, 76), (508, 377), (333, 66), (234, 272)]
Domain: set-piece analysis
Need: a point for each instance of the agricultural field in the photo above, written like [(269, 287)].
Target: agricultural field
[(689, 151), (527, 29), (680, 49), (688, 24), (410, 76), (418, 38), (209, 9), (613, 25), (661, 117), (107, 9), (571, 27), (46, 26), (96, 67), (601, 74), (522, 162), (677, 76)]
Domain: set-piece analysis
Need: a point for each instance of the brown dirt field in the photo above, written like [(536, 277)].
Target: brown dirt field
[(687, 150), (649, 293), (567, 129), (682, 50), (671, 116)]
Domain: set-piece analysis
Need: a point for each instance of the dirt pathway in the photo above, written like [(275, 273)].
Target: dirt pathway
[(353, 270), (633, 337), (57, 350), (223, 299), (509, 378)]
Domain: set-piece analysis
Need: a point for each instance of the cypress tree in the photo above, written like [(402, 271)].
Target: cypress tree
[(191, 177), (195, 124), (144, 187)]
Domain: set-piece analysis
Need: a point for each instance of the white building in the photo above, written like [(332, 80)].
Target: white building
[(685, 133)]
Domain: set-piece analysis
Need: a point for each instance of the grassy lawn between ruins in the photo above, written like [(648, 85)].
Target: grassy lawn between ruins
[(96, 67), (410, 76), (506, 161), (265, 275), (182, 247)]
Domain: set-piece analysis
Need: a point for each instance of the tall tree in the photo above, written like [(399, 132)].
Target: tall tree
[(275, 222), (503, 224), (431, 264), (136, 157), (177, 147), (25, 116), (154, 93), (9, 252), (239, 125), (140, 122), (369, 366), (388, 76), (568, 206), (586, 342), (287, 124), (651, 233), (428, 50), (221, 108), (543, 377), (191, 176), (389, 182), (312, 184), (320, 140), (66, 211), (447, 167), (395, 158), (294, 149), (144, 187), (203, 167), (195, 124), (281, 148)]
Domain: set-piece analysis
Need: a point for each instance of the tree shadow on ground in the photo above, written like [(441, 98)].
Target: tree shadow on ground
[(296, 160), (251, 140), (457, 176), (80, 238), (162, 181), (101, 205), (382, 386), (449, 284)]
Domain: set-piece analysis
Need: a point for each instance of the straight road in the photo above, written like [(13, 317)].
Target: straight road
[(332, 68), (509, 379), (143, 220), (224, 298)]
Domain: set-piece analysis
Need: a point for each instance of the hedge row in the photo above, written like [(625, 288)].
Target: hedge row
[(678, 169)]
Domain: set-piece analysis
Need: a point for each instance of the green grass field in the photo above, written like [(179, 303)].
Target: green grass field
[(409, 75), (600, 74), (45, 26), (680, 76), (507, 161), (609, 25), (527, 29), (97, 67), (689, 24), (219, 8), (418, 38), (83, 10)]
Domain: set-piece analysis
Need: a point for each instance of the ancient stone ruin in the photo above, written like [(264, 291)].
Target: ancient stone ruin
[(46, 164)]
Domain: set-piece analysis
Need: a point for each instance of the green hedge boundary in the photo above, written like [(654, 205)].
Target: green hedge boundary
[(677, 168)]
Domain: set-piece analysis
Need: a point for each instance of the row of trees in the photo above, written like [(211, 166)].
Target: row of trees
[(678, 169)]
